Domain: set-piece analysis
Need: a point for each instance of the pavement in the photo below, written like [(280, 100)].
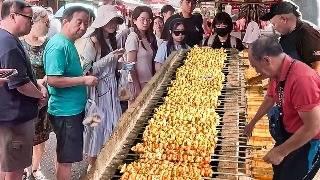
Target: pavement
[(47, 164)]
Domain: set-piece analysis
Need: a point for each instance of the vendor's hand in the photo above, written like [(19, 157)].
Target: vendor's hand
[(90, 80), (249, 128), (274, 156)]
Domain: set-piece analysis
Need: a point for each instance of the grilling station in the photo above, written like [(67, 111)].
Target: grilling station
[(233, 156)]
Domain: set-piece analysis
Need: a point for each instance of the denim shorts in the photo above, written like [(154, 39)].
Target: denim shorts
[(69, 134)]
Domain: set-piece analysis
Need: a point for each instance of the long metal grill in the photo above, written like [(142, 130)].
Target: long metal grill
[(231, 155), (255, 90)]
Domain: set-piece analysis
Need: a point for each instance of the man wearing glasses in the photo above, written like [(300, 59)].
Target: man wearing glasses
[(299, 39), (20, 95)]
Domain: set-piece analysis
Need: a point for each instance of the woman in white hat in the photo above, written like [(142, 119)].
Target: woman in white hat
[(99, 56)]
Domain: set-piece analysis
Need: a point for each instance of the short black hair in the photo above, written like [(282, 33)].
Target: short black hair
[(174, 23), (265, 46), (223, 17), (157, 17), (167, 8), (68, 13), (17, 5)]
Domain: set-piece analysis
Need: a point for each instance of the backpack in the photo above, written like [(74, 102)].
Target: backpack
[(233, 40)]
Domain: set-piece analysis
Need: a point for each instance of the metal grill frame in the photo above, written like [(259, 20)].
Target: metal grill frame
[(135, 119)]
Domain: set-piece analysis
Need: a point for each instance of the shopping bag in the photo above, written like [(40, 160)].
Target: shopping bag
[(126, 88), (94, 114), (123, 89)]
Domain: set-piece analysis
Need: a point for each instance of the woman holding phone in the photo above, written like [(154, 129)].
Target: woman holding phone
[(99, 56)]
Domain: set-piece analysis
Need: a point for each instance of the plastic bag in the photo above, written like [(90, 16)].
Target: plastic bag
[(94, 114), (126, 88)]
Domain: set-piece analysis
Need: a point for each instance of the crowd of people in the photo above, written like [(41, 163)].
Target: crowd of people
[(61, 73)]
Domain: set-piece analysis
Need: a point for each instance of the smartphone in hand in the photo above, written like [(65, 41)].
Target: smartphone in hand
[(7, 73)]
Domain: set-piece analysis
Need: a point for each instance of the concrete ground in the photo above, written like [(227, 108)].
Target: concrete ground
[(47, 164)]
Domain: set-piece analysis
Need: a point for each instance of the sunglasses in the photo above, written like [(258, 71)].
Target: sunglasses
[(177, 33)]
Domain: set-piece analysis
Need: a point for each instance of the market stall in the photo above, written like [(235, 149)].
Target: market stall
[(242, 12), (171, 132)]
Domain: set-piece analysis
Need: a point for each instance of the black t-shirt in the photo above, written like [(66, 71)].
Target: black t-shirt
[(303, 43), (15, 107), (194, 30), (217, 44)]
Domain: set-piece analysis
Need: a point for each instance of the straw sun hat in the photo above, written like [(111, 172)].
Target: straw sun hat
[(105, 14)]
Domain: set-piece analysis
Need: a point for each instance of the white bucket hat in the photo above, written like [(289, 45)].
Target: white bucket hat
[(105, 14)]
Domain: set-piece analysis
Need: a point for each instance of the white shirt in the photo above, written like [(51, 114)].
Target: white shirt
[(252, 33), (55, 27)]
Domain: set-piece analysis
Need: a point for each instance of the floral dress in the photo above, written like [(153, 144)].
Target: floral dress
[(42, 125)]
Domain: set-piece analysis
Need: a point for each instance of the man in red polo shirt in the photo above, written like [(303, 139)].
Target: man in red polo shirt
[(295, 87)]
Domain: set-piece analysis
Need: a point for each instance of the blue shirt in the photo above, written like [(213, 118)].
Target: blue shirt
[(61, 59), (162, 52)]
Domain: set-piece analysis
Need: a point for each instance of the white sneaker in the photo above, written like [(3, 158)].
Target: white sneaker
[(39, 176)]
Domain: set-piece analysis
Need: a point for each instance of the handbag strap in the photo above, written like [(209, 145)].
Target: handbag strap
[(281, 84)]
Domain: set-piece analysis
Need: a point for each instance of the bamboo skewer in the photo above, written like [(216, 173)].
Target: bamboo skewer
[(231, 94)]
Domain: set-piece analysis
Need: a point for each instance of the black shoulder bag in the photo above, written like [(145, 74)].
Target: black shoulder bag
[(275, 115)]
